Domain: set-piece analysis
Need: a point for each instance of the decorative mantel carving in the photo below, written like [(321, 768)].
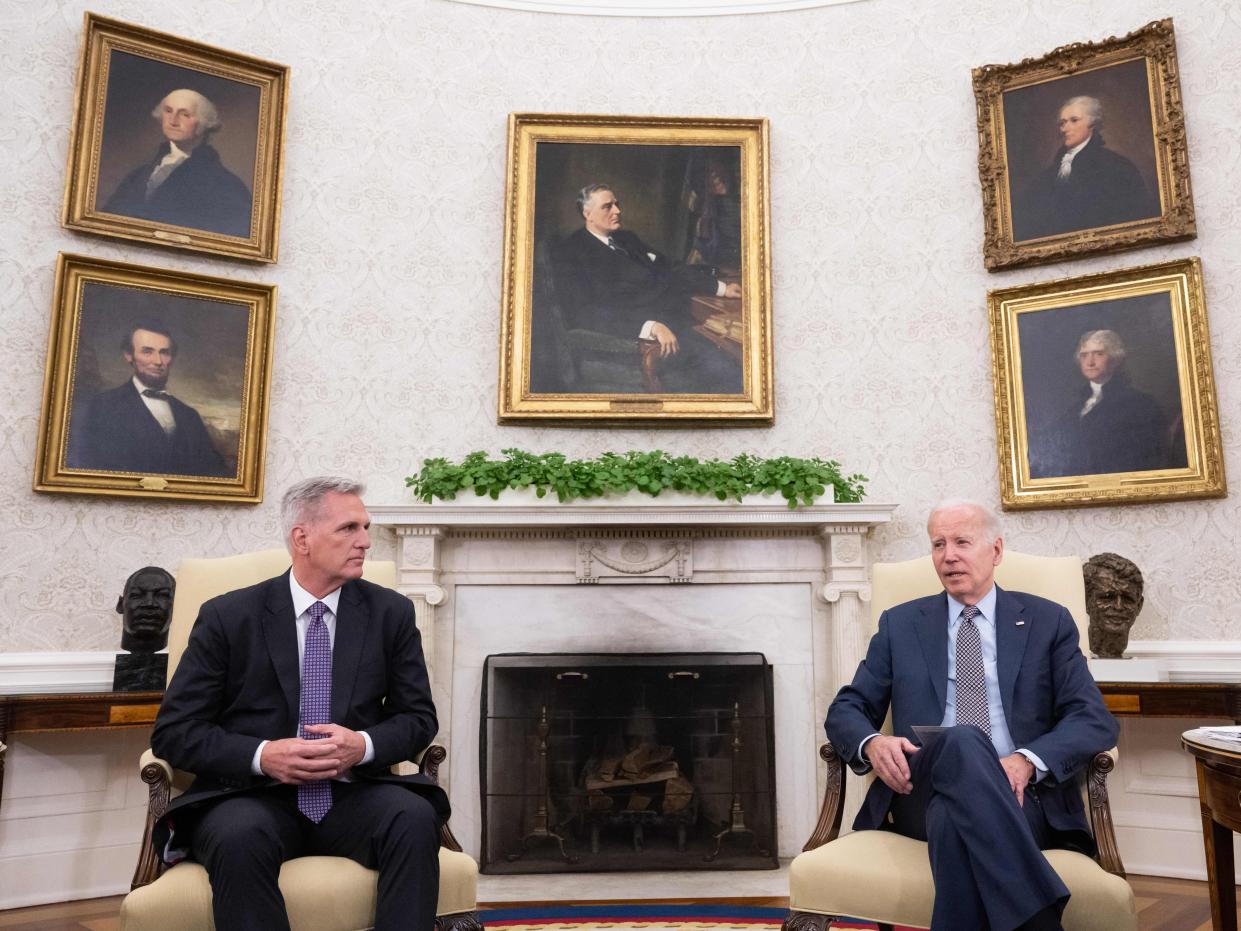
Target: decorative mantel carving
[(635, 556)]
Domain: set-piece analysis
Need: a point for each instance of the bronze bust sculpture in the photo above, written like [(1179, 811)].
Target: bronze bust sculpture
[(1113, 599), (145, 607)]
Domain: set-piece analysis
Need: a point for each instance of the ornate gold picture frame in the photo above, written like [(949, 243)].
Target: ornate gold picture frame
[(1104, 392), (157, 384), (1082, 151), (637, 271), (176, 143)]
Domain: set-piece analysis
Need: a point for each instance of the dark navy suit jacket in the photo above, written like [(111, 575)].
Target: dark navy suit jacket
[(117, 433), (200, 193), (614, 292), (1051, 703), (238, 683)]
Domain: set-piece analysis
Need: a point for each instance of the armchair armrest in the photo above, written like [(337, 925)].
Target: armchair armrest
[(828, 828), (1101, 812), (430, 761), (161, 778), (158, 775)]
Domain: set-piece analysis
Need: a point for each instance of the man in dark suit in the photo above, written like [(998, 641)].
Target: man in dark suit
[(1087, 185), (1003, 673), (291, 702), (138, 426), (1109, 426), (607, 279), (185, 184)]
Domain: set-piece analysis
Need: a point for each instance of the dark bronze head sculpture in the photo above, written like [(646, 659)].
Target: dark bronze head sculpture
[(146, 609), (1113, 600)]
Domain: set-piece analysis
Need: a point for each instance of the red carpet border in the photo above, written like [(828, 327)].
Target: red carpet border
[(646, 917)]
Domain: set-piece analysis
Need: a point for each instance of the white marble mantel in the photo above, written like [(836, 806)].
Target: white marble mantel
[(667, 574)]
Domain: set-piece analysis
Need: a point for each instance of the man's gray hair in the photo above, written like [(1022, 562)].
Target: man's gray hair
[(586, 193), (1094, 109), (990, 523), (304, 501), (1112, 344), (208, 115)]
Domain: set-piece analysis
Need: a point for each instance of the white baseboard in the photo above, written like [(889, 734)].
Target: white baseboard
[(42, 673), (1192, 660)]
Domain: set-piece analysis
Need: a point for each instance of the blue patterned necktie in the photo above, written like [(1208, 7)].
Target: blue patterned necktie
[(315, 798), (971, 675)]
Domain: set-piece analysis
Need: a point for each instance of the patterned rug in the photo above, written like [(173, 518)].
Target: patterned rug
[(645, 918)]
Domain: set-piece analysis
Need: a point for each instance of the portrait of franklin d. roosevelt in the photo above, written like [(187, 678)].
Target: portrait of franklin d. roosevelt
[(638, 260)]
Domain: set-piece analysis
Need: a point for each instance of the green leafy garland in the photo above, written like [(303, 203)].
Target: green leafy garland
[(800, 481)]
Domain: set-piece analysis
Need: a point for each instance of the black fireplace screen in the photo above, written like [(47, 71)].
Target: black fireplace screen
[(627, 761)]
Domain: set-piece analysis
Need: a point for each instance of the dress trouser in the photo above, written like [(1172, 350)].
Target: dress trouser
[(699, 366), (242, 840), (984, 848)]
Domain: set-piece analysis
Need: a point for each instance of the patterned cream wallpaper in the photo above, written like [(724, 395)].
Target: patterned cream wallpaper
[(389, 270)]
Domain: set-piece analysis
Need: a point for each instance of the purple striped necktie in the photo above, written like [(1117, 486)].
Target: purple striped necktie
[(971, 675), (315, 798)]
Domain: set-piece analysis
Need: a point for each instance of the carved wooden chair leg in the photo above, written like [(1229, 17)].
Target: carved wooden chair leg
[(806, 921), (462, 921)]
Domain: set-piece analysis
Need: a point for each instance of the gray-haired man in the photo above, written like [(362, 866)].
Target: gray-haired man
[(291, 702)]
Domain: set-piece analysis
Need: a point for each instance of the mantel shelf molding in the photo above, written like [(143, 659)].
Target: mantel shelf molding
[(631, 511)]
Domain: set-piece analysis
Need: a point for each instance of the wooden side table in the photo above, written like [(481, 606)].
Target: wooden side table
[(1219, 793), (1196, 700), (81, 711)]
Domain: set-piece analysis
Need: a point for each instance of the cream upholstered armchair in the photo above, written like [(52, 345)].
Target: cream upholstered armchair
[(321, 893), (886, 878)]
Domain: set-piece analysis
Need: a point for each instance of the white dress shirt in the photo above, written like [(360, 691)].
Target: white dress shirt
[(160, 409), (1066, 162), (1096, 395), (302, 600)]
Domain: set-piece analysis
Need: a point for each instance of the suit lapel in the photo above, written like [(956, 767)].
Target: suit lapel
[(155, 434), (352, 621), (280, 633), (932, 630), (1012, 631)]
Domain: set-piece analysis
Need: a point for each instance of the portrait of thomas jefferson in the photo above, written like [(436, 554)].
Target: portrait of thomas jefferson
[(184, 183), (1107, 425)]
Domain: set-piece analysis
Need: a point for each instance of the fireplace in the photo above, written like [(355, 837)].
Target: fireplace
[(489, 577), (627, 761)]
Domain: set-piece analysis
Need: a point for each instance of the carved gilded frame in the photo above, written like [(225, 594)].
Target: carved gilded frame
[(1155, 46), (114, 50), (1160, 313), (743, 139), (228, 325)]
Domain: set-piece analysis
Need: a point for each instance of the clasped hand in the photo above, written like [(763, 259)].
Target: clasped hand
[(887, 755), (295, 760)]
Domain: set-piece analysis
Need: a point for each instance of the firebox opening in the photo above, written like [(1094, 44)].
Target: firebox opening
[(627, 761)]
